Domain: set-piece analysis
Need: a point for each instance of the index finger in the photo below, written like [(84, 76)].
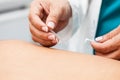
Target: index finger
[(35, 16), (109, 35)]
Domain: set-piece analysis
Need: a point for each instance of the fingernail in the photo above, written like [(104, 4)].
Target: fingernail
[(51, 37), (45, 29), (99, 38), (51, 25)]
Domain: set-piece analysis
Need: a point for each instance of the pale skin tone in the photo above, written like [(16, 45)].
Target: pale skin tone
[(109, 45), (25, 61), (46, 15), (59, 12)]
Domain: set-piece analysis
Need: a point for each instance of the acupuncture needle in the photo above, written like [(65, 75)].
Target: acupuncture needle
[(88, 40)]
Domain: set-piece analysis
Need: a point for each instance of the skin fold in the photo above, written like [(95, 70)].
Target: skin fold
[(20, 60)]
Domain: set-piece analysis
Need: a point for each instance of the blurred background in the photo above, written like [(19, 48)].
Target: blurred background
[(14, 20)]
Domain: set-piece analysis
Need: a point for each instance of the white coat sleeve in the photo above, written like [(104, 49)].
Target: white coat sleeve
[(79, 10)]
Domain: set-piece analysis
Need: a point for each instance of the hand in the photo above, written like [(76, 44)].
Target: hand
[(46, 15), (108, 45)]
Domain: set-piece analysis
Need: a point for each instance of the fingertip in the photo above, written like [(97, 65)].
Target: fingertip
[(98, 39), (55, 41), (51, 25), (45, 29)]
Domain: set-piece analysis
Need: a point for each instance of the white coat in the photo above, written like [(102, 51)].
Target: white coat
[(82, 26)]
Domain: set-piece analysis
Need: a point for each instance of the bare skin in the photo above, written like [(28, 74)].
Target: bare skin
[(46, 15), (109, 45), (25, 61)]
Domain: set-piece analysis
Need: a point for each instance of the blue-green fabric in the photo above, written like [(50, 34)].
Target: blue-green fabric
[(109, 17)]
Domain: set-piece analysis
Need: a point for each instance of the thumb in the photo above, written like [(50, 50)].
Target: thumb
[(53, 17), (108, 36)]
